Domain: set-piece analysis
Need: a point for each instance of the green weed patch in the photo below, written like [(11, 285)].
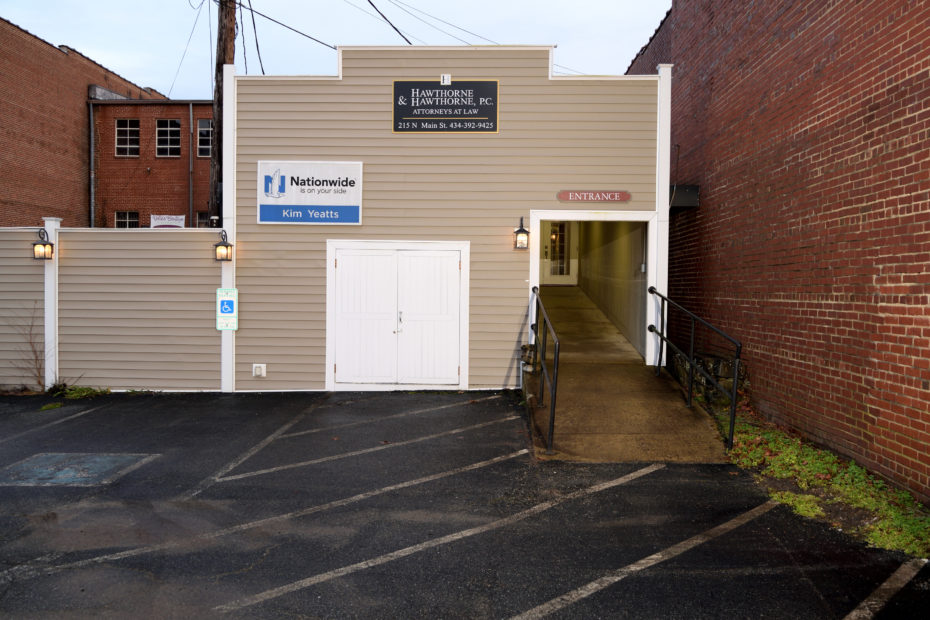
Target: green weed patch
[(817, 483), (74, 392)]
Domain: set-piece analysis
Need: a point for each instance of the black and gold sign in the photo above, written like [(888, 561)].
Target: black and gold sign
[(460, 107)]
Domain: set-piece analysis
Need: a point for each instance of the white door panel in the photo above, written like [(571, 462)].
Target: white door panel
[(366, 316), (428, 309)]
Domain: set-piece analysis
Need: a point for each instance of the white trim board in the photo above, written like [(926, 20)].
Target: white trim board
[(228, 269)]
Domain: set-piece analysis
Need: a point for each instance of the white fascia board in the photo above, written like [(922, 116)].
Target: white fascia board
[(228, 269)]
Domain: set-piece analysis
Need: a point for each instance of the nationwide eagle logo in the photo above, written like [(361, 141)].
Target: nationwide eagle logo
[(274, 184)]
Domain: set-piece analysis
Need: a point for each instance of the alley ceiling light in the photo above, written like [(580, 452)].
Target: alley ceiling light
[(43, 249), (521, 237), (223, 249)]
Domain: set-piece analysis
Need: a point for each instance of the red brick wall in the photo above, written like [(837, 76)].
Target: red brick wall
[(807, 126), (44, 128), (149, 184), (653, 54)]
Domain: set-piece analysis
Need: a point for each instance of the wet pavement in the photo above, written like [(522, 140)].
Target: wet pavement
[(393, 505)]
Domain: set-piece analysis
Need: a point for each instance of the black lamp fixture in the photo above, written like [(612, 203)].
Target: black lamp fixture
[(43, 249), (521, 237), (223, 250)]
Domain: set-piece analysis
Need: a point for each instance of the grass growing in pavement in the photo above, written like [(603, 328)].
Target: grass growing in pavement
[(74, 392), (817, 483)]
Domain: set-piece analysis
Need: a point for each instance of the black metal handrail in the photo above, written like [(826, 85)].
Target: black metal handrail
[(692, 366), (539, 352)]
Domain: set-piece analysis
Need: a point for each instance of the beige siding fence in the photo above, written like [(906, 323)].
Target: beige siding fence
[(136, 309), (22, 311)]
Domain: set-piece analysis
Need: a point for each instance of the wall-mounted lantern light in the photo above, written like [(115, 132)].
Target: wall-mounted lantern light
[(43, 249), (223, 250), (521, 237)]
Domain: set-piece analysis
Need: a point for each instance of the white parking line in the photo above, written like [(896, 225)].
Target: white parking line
[(883, 593), (32, 570), (207, 482), (430, 544), (387, 417), (595, 586), (345, 455), (281, 433), (49, 424)]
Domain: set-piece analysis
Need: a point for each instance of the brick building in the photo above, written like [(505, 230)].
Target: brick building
[(44, 136), (151, 158), (807, 127)]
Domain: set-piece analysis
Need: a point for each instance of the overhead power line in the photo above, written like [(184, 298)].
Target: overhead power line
[(417, 17), (291, 28), (371, 2), (186, 47), (375, 17), (398, 4), (258, 50), (210, 42)]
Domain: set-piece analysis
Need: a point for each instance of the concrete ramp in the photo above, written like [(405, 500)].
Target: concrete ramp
[(610, 406)]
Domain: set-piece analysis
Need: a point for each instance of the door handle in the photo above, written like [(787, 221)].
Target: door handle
[(400, 321)]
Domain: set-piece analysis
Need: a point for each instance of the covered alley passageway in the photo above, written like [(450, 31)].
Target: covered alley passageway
[(611, 406)]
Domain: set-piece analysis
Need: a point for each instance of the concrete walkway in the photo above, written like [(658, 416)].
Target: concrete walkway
[(610, 406)]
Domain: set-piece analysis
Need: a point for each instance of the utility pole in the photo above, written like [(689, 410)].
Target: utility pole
[(225, 55)]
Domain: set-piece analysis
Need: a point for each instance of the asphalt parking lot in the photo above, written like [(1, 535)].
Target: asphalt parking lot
[(393, 505)]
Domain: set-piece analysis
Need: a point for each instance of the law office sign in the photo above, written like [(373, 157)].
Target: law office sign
[(310, 192), (434, 107)]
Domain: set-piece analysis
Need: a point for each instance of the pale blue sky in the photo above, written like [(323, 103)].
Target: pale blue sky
[(144, 41)]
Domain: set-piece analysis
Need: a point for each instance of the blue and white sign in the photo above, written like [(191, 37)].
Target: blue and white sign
[(310, 192), (227, 310)]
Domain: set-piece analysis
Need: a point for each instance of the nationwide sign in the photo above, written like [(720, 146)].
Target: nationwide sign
[(310, 192), (589, 195), (432, 107)]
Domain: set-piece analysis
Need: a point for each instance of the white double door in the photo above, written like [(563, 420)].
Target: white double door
[(397, 316)]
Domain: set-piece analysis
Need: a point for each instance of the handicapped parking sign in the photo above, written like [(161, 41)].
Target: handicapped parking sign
[(227, 312)]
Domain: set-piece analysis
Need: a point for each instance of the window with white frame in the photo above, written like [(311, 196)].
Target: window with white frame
[(168, 137), (127, 219), (204, 136), (127, 137)]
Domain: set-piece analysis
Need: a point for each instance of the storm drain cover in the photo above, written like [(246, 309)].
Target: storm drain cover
[(69, 469)]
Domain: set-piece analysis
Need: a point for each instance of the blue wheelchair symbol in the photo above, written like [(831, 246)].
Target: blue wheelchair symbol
[(227, 306)]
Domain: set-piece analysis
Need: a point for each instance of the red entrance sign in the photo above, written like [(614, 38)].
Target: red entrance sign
[(579, 195)]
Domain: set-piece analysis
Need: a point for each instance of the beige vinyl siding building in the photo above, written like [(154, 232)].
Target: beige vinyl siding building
[(458, 192), (407, 276)]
